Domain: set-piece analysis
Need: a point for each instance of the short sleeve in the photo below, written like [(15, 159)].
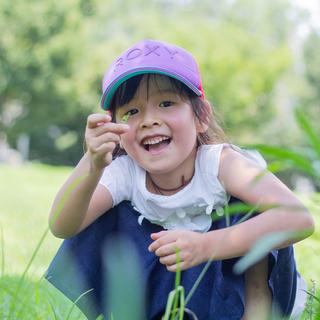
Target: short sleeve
[(117, 178)]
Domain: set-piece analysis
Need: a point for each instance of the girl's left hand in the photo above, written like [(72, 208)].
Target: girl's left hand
[(191, 246)]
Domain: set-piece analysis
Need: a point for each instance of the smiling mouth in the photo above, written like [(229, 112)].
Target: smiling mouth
[(155, 144)]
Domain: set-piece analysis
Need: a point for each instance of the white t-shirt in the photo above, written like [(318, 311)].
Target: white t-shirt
[(188, 209)]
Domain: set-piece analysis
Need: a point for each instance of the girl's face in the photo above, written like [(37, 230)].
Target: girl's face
[(163, 128)]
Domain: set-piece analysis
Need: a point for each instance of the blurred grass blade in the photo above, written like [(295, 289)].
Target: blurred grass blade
[(312, 295), (169, 305), (125, 289), (262, 247), (75, 302), (252, 210), (288, 159), (308, 129), (50, 308), (65, 197), (171, 298), (177, 283)]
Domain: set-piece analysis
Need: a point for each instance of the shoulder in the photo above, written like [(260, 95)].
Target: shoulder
[(244, 177), (234, 156), (235, 162)]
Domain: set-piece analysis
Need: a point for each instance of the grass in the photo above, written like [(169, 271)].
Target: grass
[(27, 193)]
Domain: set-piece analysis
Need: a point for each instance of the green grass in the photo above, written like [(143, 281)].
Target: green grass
[(27, 193)]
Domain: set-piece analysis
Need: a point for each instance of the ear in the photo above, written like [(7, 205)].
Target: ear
[(203, 126)]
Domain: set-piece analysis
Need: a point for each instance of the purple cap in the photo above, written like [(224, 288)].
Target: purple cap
[(150, 56)]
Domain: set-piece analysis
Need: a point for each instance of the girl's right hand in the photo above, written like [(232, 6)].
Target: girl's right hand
[(102, 136)]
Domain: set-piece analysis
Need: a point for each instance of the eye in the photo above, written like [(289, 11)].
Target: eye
[(131, 112), (165, 104)]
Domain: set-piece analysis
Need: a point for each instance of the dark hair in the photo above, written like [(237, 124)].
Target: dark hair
[(214, 134)]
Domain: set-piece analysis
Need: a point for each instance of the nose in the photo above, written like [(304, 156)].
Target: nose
[(150, 118)]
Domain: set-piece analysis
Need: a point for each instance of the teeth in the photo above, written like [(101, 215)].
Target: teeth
[(155, 141)]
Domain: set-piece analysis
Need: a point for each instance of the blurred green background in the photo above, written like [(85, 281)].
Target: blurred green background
[(259, 59)]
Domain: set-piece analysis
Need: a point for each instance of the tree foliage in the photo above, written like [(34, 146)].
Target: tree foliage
[(53, 55), (311, 102)]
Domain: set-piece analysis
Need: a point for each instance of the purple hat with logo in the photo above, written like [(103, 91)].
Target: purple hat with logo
[(151, 56)]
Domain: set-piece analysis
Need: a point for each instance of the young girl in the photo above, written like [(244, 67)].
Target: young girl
[(173, 167)]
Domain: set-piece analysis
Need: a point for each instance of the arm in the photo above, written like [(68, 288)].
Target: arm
[(252, 184), (87, 200)]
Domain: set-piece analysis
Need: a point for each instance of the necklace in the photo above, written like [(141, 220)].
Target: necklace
[(159, 189)]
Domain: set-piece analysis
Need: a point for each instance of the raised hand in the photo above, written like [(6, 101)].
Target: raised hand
[(191, 246), (102, 136)]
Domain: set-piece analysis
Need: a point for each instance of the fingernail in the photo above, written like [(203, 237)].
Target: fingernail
[(125, 127)]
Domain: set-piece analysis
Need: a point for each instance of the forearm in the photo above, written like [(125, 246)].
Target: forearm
[(237, 240), (68, 220)]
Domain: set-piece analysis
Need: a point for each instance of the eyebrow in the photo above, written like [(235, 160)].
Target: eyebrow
[(166, 90)]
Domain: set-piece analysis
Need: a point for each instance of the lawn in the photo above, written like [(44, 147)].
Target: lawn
[(27, 193)]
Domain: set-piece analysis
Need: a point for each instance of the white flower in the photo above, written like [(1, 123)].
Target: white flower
[(186, 220), (209, 209), (140, 219), (180, 213), (219, 211)]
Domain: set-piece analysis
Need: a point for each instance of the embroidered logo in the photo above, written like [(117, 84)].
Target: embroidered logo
[(145, 51)]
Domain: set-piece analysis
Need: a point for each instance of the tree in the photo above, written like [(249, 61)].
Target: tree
[(53, 55), (38, 54), (311, 102)]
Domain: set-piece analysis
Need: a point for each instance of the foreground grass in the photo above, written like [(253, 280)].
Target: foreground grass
[(27, 193)]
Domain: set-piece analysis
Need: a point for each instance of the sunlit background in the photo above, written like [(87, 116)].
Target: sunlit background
[(258, 60)]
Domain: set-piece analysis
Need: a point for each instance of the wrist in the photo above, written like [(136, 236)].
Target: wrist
[(208, 247), (94, 166)]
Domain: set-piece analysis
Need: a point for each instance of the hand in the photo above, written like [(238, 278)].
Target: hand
[(191, 246), (102, 136)]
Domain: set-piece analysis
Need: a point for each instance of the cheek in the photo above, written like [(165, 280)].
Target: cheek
[(129, 140)]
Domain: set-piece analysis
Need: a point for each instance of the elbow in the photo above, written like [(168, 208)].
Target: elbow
[(306, 225), (59, 232), (310, 227)]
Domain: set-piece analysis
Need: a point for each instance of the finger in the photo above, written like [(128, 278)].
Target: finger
[(163, 238), (166, 250), (118, 128), (169, 260), (103, 127), (107, 133), (157, 235), (97, 119), (106, 138), (173, 267), (96, 143)]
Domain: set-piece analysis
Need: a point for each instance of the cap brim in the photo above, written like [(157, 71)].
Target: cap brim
[(113, 86)]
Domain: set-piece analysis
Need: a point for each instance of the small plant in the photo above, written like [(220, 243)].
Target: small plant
[(125, 119), (312, 309)]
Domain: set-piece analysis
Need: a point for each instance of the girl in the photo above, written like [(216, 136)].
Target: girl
[(173, 164)]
